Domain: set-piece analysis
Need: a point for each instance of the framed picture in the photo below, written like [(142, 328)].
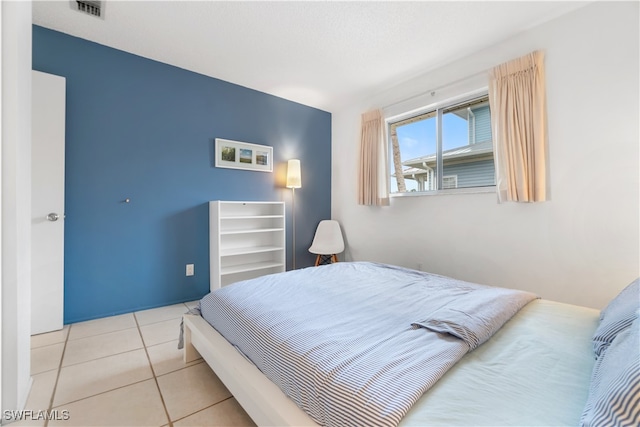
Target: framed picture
[(243, 155)]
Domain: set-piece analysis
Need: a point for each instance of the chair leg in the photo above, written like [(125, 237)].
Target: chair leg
[(326, 259)]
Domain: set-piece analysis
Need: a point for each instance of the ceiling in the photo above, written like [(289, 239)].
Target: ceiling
[(323, 54)]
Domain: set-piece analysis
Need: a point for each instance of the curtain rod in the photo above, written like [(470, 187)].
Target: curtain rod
[(434, 90)]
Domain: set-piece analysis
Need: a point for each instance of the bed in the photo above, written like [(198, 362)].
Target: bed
[(532, 364)]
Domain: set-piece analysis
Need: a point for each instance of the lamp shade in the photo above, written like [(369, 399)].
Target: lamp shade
[(294, 177)]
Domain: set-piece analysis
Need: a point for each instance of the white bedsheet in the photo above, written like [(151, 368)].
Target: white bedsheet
[(534, 372)]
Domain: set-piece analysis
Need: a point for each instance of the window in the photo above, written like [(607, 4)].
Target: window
[(450, 181), (447, 147)]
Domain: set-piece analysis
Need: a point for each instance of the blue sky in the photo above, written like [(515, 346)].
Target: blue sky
[(419, 139)]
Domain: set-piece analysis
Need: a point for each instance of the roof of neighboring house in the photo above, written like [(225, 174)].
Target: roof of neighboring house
[(471, 150), (409, 172)]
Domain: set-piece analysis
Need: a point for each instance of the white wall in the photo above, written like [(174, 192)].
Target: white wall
[(582, 247), (16, 203)]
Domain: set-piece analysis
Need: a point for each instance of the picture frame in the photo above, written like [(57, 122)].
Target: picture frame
[(243, 155)]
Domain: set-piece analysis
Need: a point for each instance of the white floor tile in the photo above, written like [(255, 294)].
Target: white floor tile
[(46, 358), (135, 405), (227, 413), (49, 338), (191, 389), (160, 314), (167, 358), (161, 332), (42, 390), (106, 379), (192, 304), (28, 422), (101, 326), (95, 347), (97, 376)]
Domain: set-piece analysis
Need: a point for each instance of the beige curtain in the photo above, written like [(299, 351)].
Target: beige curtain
[(518, 121), (373, 187)]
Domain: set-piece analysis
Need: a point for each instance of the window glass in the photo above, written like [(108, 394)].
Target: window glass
[(415, 138), (466, 152)]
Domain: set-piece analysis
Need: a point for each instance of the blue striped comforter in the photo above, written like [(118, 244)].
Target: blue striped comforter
[(357, 343)]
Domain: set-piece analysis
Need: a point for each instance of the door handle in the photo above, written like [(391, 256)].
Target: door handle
[(53, 216)]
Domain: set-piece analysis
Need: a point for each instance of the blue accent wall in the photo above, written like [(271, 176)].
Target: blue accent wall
[(144, 130)]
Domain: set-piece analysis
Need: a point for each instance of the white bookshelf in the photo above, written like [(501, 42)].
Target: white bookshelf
[(246, 240)]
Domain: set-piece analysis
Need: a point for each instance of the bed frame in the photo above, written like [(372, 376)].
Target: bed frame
[(265, 403)]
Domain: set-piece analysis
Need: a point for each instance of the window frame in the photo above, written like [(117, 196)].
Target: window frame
[(439, 108)]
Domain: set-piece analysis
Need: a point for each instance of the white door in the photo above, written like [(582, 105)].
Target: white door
[(47, 202)]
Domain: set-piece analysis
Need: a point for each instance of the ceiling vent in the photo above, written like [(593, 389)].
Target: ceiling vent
[(90, 7)]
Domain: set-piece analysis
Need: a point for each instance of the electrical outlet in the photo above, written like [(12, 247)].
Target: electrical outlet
[(190, 270)]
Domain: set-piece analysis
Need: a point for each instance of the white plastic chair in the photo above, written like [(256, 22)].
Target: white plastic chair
[(327, 242)]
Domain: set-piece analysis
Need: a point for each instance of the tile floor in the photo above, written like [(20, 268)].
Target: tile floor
[(126, 371)]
